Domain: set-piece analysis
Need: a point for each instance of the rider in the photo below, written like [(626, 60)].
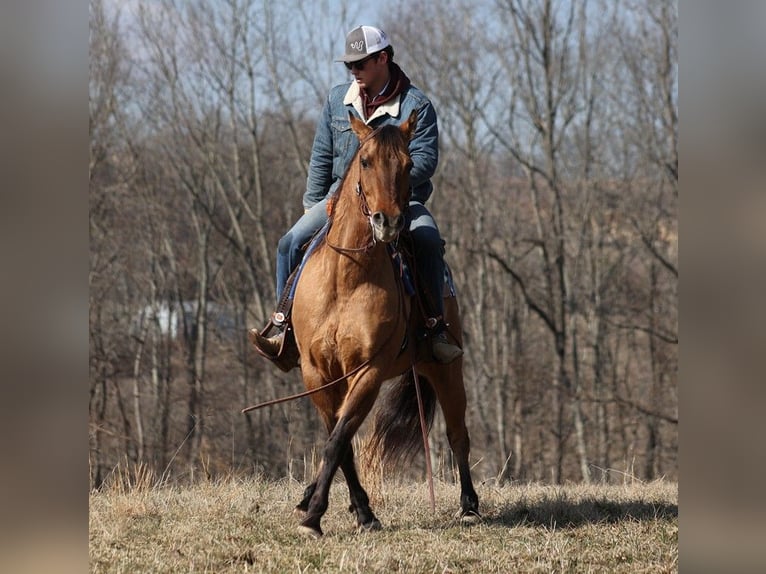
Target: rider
[(380, 94)]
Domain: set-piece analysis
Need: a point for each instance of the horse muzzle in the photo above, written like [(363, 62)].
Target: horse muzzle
[(386, 228)]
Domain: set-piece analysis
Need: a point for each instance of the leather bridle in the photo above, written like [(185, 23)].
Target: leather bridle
[(365, 208)]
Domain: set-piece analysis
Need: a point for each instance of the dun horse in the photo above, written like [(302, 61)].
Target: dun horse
[(353, 324)]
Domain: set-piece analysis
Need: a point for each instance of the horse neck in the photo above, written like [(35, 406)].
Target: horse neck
[(354, 260)]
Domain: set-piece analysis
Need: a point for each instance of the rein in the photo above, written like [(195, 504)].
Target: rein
[(312, 391)]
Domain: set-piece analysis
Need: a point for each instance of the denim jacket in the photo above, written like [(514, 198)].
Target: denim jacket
[(335, 143)]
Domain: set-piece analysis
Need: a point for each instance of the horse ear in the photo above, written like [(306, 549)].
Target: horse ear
[(408, 127), (360, 128)]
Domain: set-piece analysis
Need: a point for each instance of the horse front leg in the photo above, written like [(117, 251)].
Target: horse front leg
[(469, 500), (326, 412), (338, 451), (360, 502), (303, 505), (334, 450), (337, 448)]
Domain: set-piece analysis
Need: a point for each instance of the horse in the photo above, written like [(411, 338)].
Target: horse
[(353, 326)]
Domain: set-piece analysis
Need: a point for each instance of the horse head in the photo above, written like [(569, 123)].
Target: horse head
[(384, 174)]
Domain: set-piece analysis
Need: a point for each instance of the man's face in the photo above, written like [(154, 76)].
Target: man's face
[(370, 72)]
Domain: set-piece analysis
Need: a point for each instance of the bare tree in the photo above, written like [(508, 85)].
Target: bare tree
[(547, 81), (109, 76), (648, 48)]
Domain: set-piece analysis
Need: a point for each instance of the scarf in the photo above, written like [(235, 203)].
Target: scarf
[(397, 83)]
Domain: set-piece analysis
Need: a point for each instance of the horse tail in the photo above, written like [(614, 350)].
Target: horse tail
[(396, 433)]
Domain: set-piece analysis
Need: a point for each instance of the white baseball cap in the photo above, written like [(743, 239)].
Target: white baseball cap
[(363, 41)]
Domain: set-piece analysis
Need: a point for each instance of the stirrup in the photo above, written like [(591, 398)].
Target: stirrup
[(281, 349)]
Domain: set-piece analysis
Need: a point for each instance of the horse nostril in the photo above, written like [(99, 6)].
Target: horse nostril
[(381, 220)]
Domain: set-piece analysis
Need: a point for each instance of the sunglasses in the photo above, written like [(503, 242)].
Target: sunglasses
[(361, 63)]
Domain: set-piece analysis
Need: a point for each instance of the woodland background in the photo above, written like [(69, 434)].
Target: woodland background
[(557, 194)]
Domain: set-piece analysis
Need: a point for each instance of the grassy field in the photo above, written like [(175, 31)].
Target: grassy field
[(247, 525)]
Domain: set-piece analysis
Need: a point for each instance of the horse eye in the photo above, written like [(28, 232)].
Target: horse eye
[(364, 162)]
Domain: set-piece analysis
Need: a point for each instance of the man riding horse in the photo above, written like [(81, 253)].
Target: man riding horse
[(380, 94)]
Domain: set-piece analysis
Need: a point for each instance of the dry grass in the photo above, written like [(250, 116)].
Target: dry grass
[(247, 525)]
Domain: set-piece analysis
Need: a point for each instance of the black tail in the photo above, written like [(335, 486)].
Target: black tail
[(396, 434)]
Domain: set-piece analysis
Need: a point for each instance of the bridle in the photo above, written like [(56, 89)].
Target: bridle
[(364, 206)]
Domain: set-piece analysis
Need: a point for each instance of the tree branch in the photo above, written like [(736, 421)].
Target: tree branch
[(527, 297)]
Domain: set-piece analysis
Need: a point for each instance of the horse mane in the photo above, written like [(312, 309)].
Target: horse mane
[(389, 135)]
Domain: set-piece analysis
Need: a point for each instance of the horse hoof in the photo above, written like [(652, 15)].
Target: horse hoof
[(470, 518), (370, 526), (314, 533)]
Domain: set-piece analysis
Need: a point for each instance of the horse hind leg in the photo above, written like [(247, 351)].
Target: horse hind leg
[(450, 392)]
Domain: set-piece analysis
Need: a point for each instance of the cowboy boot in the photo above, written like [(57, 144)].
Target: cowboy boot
[(444, 351), (267, 346), (441, 348), (280, 351)]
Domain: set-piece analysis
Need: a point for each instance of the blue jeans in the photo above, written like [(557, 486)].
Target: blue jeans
[(429, 261)]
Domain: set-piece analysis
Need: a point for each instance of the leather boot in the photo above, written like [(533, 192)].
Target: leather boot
[(268, 346), (444, 351), (271, 347)]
